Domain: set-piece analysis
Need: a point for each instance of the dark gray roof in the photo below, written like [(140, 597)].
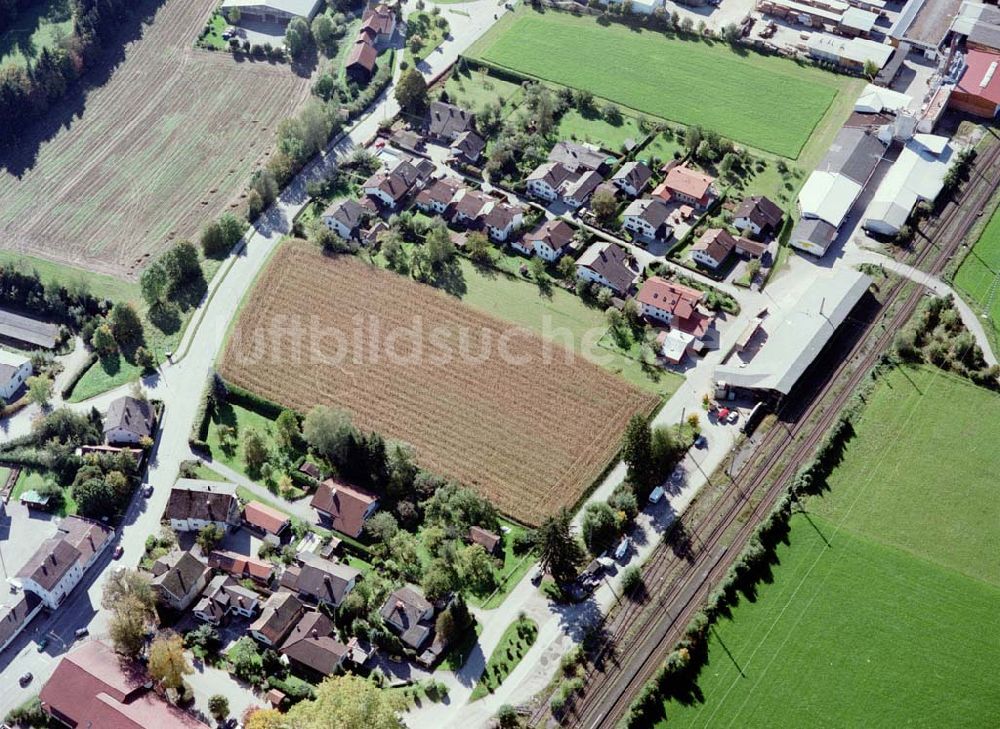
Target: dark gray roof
[(469, 144), (854, 154), (636, 174), (53, 559), (130, 414), (206, 500), (320, 579), (279, 613), (581, 188), (651, 210), (816, 231), (311, 643), (761, 210), (609, 260), (347, 211), (28, 330), (181, 576), (448, 121), (402, 612)]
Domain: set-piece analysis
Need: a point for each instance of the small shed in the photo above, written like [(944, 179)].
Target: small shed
[(485, 538), (275, 698)]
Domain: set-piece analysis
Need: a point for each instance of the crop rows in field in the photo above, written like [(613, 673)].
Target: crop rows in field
[(520, 419), (164, 145)]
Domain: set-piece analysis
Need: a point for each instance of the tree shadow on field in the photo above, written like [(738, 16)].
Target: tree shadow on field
[(166, 317), (19, 151)]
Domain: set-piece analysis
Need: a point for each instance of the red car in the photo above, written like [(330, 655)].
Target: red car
[(119, 551)]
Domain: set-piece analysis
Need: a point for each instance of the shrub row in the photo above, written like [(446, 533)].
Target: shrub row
[(74, 380)]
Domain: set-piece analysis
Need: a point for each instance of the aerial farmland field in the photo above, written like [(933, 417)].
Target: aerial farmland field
[(978, 276), (766, 102), (521, 419), (881, 611), (106, 181)]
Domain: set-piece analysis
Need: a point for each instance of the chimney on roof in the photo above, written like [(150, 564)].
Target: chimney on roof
[(315, 633)]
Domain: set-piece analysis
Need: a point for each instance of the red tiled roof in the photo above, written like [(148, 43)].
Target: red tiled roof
[(362, 54), (264, 517), (345, 504), (91, 686), (240, 565), (688, 182), (681, 301), (978, 67)]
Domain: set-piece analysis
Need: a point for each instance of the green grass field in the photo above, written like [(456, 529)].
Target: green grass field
[(882, 608), (559, 316), (516, 640), (40, 25), (766, 102), (32, 480), (978, 278)]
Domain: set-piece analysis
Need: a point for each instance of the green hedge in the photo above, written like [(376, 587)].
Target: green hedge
[(199, 428), (67, 390), (251, 401)]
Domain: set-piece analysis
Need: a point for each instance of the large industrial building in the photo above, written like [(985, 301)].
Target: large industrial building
[(918, 174), (794, 338), (270, 12), (829, 194)]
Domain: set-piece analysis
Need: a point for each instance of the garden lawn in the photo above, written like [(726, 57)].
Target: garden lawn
[(39, 25), (474, 89), (560, 316), (514, 568), (241, 419), (921, 473), (32, 480), (766, 102), (594, 129), (505, 657), (978, 278), (858, 635)]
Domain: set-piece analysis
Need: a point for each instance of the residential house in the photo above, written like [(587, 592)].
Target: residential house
[(682, 184), (373, 234), (410, 616), (278, 615), (576, 192), (129, 420), (747, 248), (502, 220), (489, 541), (272, 525), (312, 645), (407, 139), (578, 157), (344, 507), (549, 241), (344, 217), (667, 301), (15, 370), (223, 597), (471, 206), (647, 218), (758, 216), (545, 180), (319, 580), (178, 578), (92, 686), (438, 196), (632, 178), (468, 147), (195, 503), (390, 186), (241, 566), (361, 61), (446, 122), (15, 615), (713, 247), (607, 264), (61, 561), (378, 25)]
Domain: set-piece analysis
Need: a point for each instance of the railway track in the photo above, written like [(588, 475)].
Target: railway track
[(684, 569)]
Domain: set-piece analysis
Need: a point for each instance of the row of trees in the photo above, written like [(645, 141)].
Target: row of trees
[(27, 92)]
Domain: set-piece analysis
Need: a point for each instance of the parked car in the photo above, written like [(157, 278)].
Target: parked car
[(82, 632), (655, 495), (147, 490), (622, 549), (701, 442), (25, 678), (734, 416), (536, 576), (43, 643), (119, 551)]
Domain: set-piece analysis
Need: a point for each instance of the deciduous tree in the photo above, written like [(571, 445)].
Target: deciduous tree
[(560, 553), (411, 91), (167, 663), (347, 702)]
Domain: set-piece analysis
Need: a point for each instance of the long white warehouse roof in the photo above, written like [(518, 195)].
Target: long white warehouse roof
[(797, 337), (828, 196), (918, 174)]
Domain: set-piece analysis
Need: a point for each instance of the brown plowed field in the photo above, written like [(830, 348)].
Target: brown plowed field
[(165, 144), (530, 426)]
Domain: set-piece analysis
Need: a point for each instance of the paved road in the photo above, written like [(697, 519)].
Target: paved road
[(180, 386)]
